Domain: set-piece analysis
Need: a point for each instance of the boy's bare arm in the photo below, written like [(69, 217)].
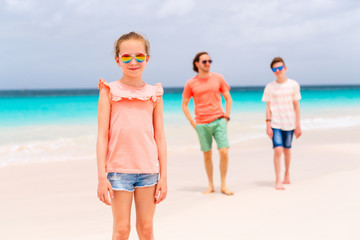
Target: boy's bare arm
[(297, 131), (269, 130)]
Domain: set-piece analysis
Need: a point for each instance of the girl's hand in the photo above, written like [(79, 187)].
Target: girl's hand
[(104, 187), (161, 190)]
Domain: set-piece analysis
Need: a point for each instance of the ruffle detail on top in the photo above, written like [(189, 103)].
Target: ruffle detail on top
[(119, 91)]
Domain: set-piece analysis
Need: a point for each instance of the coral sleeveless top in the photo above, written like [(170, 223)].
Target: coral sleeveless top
[(132, 147)]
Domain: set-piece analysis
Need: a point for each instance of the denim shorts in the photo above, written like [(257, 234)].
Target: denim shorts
[(282, 138), (129, 181), (216, 128)]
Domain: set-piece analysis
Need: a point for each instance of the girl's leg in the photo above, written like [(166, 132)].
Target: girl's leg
[(145, 209), (121, 209)]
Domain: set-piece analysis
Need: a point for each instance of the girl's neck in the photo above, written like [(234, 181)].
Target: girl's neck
[(132, 82)]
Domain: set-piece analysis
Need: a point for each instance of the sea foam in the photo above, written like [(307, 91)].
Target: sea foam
[(336, 122)]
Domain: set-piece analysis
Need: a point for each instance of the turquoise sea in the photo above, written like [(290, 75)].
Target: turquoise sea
[(61, 125), (38, 107)]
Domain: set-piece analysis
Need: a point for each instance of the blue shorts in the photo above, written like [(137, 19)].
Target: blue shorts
[(282, 138), (129, 181)]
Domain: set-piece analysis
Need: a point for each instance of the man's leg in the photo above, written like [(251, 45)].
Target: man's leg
[(222, 141), (224, 163), (209, 171), (205, 139), (278, 151)]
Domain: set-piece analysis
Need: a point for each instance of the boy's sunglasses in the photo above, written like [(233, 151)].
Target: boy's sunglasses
[(278, 68), (139, 57), (205, 61)]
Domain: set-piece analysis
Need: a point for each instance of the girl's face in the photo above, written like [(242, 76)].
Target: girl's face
[(133, 68)]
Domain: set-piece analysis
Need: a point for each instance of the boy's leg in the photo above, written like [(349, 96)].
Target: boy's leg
[(287, 139), (209, 171), (287, 156), (121, 209), (145, 209), (278, 151)]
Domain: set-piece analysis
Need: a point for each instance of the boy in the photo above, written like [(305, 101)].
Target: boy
[(282, 117)]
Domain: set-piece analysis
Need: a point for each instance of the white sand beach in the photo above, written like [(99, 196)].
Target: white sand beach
[(57, 200)]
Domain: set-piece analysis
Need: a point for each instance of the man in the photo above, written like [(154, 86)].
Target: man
[(210, 120), (282, 117)]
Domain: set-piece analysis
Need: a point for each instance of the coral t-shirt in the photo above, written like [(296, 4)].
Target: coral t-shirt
[(132, 147), (206, 94)]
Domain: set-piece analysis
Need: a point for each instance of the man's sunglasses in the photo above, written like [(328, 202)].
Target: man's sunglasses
[(205, 61), (278, 68), (139, 57)]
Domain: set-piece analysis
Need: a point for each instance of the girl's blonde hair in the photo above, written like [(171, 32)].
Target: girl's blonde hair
[(131, 36)]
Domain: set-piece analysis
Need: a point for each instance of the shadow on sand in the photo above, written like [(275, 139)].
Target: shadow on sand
[(265, 184)]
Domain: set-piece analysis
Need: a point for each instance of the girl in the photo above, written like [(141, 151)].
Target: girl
[(131, 147)]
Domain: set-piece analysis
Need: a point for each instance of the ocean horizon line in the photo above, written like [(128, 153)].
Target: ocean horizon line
[(171, 89)]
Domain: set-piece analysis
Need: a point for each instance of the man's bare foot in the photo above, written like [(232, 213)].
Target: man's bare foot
[(286, 180), (226, 191), (279, 186), (208, 190)]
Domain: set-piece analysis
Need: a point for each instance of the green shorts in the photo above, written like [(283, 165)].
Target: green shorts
[(216, 128)]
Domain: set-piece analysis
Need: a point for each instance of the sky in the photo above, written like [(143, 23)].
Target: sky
[(69, 43)]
